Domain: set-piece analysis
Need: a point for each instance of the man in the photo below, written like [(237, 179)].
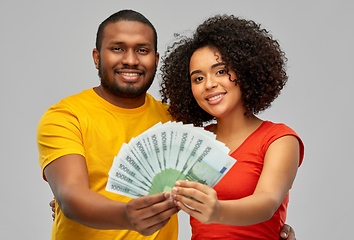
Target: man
[(79, 137)]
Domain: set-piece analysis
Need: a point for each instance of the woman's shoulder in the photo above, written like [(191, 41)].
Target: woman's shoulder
[(272, 131), (268, 126)]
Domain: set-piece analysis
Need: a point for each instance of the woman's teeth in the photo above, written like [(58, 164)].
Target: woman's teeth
[(215, 97)]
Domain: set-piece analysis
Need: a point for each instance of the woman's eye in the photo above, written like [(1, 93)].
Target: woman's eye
[(198, 79), (220, 72)]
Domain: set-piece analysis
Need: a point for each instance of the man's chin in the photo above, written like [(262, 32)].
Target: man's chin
[(127, 92)]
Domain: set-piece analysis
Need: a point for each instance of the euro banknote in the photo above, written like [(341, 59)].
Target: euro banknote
[(153, 161)]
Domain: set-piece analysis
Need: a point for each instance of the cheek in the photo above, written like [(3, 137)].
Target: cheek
[(107, 64), (197, 93), (194, 91), (149, 63)]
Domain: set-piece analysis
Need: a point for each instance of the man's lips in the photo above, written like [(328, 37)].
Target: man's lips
[(130, 75), (129, 71)]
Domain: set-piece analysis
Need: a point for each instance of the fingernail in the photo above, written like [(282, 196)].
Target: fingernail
[(174, 189), (177, 183)]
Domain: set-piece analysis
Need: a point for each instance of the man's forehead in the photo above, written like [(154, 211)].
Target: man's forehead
[(128, 32)]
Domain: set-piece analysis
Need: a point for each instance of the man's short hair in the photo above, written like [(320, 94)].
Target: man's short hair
[(123, 15)]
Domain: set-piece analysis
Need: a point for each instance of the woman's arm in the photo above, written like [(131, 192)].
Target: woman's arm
[(280, 166)]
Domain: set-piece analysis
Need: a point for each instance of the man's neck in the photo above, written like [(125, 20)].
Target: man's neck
[(128, 103)]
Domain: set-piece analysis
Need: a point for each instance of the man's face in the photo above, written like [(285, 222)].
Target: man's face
[(127, 61)]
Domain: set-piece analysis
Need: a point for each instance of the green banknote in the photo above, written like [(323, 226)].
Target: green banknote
[(153, 161)]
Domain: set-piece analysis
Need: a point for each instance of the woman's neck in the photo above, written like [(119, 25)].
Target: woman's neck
[(233, 131)]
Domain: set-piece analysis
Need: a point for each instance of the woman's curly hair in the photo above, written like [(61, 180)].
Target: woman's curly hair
[(251, 51)]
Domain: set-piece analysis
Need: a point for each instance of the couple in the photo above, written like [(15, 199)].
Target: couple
[(229, 70)]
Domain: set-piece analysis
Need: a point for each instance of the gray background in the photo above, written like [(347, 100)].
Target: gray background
[(46, 51)]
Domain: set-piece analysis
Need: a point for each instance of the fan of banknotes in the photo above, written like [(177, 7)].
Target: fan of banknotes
[(153, 161)]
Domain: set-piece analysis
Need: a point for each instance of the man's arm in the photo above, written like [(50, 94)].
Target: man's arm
[(69, 181), (287, 232)]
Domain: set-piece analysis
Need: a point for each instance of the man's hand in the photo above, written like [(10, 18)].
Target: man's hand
[(148, 214), (52, 205), (287, 232)]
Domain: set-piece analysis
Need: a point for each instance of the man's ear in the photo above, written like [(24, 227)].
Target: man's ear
[(157, 57), (96, 57)]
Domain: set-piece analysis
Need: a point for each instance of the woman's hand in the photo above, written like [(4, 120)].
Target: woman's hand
[(197, 200)]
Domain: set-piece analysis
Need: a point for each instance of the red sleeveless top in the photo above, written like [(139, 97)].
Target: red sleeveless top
[(241, 181)]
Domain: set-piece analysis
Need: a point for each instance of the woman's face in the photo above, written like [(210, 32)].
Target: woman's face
[(211, 85)]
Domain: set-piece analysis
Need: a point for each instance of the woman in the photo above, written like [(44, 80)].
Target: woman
[(229, 71)]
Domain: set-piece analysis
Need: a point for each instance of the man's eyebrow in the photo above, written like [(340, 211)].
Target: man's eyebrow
[(115, 43), (144, 44), (123, 43), (212, 66)]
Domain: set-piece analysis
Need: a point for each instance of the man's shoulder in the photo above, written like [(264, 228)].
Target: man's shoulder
[(80, 98), (157, 102), (87, 93), (159, 108), (69, 105)]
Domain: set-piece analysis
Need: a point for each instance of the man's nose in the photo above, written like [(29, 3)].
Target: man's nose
[(130, 58)]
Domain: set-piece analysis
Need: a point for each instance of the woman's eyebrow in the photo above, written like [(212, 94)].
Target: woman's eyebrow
[(218, 64), (212, 66)]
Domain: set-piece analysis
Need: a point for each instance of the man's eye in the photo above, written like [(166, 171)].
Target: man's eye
[(142, 50), (117, 49)]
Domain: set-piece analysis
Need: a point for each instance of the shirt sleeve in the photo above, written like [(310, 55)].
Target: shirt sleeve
[(281, 130), (58, 134)]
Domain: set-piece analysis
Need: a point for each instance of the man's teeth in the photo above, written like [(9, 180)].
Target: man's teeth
[(130, 74), (215, 97)]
